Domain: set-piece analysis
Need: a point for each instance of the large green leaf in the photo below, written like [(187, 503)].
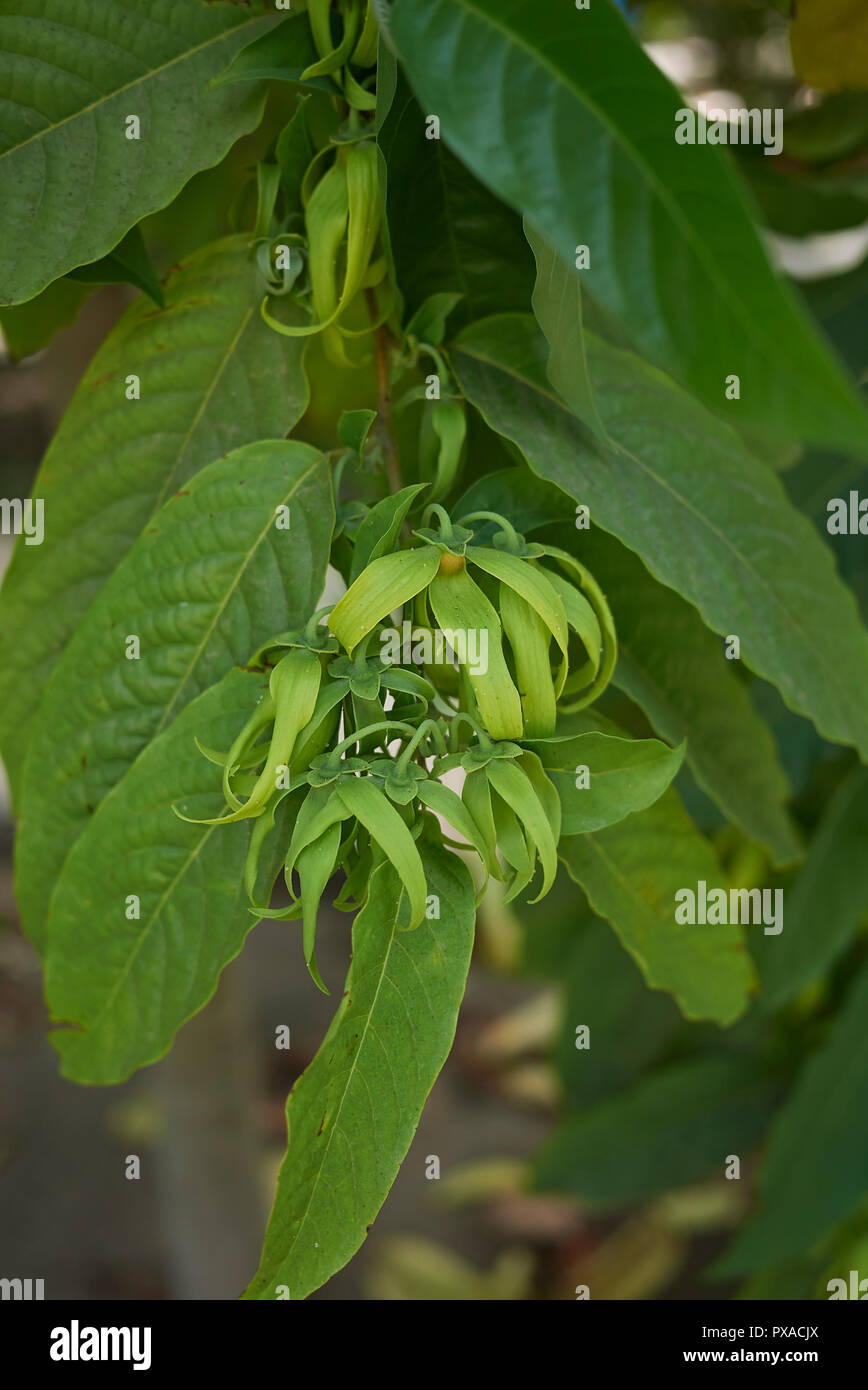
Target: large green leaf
[(71, 72), (213, 377), (352, 1115), (628, 1024), (672, 1128), (671, 665), (623, 775), (707, 518), (130, 982), (668, 662), (282, 54), (562, 114), (447, 232), (814, 1171), (27, 328), (557, 305), (210, 580), (828, 901), (631, 872), (840, 302), (128, 264), (801, 202)]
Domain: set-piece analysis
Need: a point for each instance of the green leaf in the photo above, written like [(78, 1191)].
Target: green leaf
[(833, 129), (209, 580), (830, 892), (448, 233), (352, 1115), (813, 1175), (631, 872), (803, 203), (518, 494), (129, 263), (293, 152), (628, 1024), (839, 302), (723, 535), (282, 54), (381, 528), (71, 182), (129, 983), (562, 114), (671, 665), (624, 775), (672, 1128), (557, 305), (27, 328), (428, 324), (354, 426), (212, 378)]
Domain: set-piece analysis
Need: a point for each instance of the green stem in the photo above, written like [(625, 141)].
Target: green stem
[(508, 530), (359, 734)]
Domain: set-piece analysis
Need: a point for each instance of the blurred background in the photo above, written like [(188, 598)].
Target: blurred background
[(208, 1121)]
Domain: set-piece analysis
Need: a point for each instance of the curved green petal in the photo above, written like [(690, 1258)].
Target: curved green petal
[(371, 808), (315, 866), (530, 639), (530, 582), (386, 584), (459, 605), (518, 792), (443, 801)]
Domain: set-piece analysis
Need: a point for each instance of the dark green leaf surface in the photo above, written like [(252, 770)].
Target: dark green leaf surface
[(707, 519), (29, 327), (631, 873), (562, 114), (381, 528), (352, 1115), (624, 775), (129, 263), (826, 904), (213, 377), (282, 54), (628, 1024), (814, 1172), (805, 203), (672, 1128), (71, 71), (557, 305), (671, 665), (210, 579), (129, 984), (447, 232)]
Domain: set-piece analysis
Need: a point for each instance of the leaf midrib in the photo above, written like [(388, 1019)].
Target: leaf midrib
[(49, 130), (704, 521), (314, 1187), (253, 550), (741, 311)]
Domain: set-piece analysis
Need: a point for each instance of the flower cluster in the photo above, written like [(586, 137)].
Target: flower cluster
[(351, 748)]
